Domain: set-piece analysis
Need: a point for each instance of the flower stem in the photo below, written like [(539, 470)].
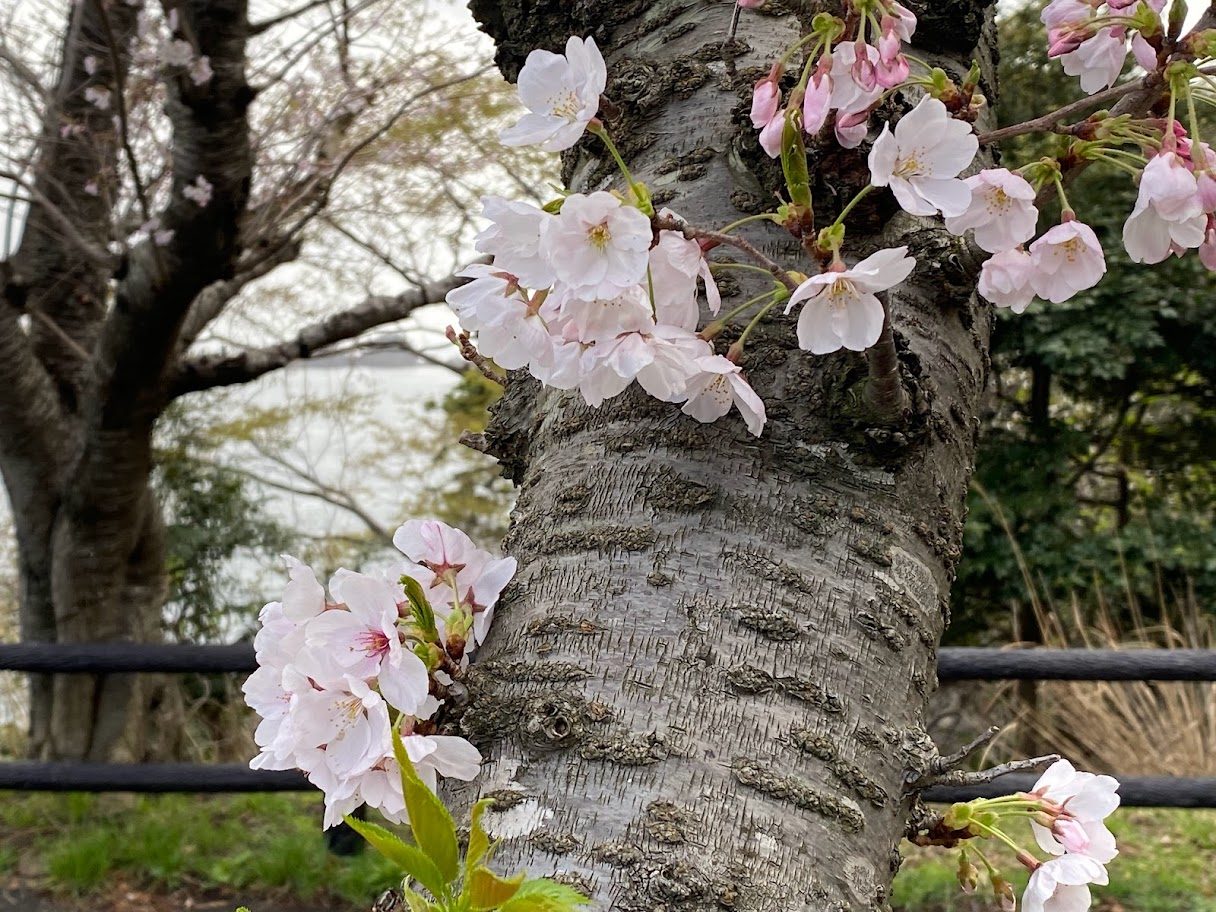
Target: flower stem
[(598, 130), (861, 194), (762, 217), (750, 326)]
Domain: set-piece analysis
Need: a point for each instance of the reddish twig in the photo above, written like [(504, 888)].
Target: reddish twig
[(473, 356)]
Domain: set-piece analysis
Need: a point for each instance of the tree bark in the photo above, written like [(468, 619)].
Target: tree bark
[(706, 686)]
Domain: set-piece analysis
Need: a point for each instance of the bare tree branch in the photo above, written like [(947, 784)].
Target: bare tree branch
[(257, 28), (210, 371), (212, 300)]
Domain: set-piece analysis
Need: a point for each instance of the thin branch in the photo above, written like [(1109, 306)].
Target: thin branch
[(473, 356), (257, 28), (120, 98), (729, 240), (982, 777), (23, 72), (210, 371), (1048, 122)]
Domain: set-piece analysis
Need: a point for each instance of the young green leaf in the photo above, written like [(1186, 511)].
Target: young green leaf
[(422, 611), (485, 890), (544, 895), (479, 841), (434, 829), (414, 862), (417, 903)]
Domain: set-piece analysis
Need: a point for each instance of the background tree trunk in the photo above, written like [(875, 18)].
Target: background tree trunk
[(84, 387), (706, 686)]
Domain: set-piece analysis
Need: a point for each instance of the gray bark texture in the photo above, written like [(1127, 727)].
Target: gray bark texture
[(705, 689)]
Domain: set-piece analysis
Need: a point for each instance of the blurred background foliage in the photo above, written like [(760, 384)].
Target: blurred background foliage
[(1095, 471)]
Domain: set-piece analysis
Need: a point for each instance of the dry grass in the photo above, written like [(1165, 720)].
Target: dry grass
[(1130, 728)]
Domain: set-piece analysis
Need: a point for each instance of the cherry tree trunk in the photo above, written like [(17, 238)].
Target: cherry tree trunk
[(706, 687)]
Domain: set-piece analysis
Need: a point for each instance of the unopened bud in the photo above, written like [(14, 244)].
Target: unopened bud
[(1004, 893), (1177, 18), (968, 876), (1201, 44)]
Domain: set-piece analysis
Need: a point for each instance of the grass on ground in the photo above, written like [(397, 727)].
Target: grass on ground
[(80, 843), (262, 844)]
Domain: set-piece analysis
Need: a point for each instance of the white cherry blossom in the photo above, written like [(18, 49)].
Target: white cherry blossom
[(1061, 885), (720, 385), (562, 95), (597, 246), (513, 239), (840, 309), (1098, 60), (922, 158)]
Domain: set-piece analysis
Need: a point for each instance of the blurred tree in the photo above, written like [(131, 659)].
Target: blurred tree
[(1096, 459), (162, 166)]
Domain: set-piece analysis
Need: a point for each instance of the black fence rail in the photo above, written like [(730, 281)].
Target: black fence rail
[(953, 665)]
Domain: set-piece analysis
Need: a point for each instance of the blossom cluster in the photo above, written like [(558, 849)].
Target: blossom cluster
[(595, 291), (336, 674), (585, 294), (1067, 810), (1091, 39)]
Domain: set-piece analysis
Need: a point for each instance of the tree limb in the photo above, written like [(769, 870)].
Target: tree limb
[(209, 371)]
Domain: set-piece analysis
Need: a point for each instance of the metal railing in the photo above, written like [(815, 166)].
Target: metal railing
[(967, 664)]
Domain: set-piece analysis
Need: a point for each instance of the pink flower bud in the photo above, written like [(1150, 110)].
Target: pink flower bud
[(752, 4), (1072, 835), (1207, 191), (1207, 250), (864, 73), (817, 103), (766, 98)]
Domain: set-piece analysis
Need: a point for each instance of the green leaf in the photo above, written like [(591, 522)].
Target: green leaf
[(486, 890), (410, 858), (423, 613), (434, 829), (793, 161), (417, 903), (479, 841), (544, 895)]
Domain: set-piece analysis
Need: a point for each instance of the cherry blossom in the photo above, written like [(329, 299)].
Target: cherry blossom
[(718, 386), (1066, 259), (766, 114), (1098, 60), (510, 329), (1002, 211), (1086, 800), (513, 239), (921, 160), (597, 246), (1168, 213), (1207, 250), (1061, 885), (199, 191), (562, 94), (1005, 279), (840, 309)]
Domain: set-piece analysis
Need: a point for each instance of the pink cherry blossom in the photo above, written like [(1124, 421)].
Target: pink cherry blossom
[(1168, 214), (562, 95), (675, 265), (921, 160), (510, 330), (1207, 250), (817, 103), (841, 310), (1002, 211), (1086, 801), (1006, 279), (1066, 259), (766, 100)]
